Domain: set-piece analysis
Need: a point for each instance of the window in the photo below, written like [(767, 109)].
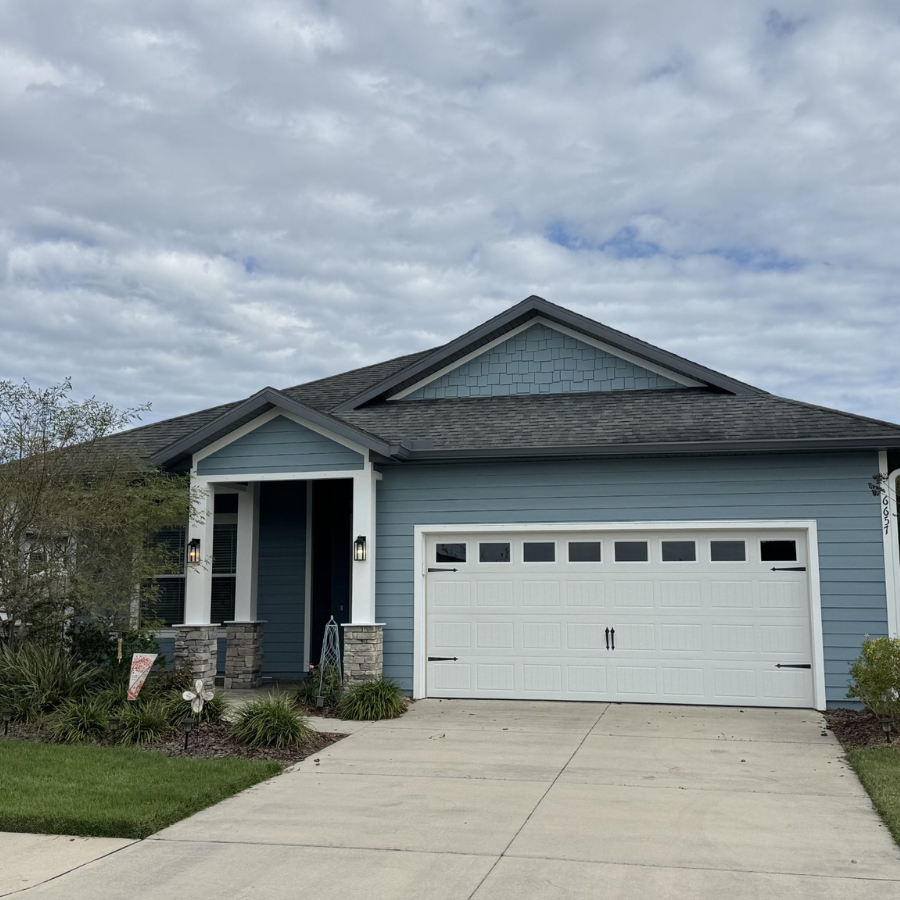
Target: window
[(224, 568), (168, 604), (727, 551), (539, 552), (631, 551), (778, 551), (450, 553), (493, 553), (679, 551), (584, 551)]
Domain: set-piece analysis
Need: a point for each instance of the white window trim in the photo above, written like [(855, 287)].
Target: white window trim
[(630, 562), (729, 562), (542, 562), (679, 562), (775, 561), (586, 562), (810, 526), (562, 329)]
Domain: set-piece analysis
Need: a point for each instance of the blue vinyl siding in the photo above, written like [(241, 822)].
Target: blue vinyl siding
[(541, 360), (280, 445), (828, 487), (281, 598)]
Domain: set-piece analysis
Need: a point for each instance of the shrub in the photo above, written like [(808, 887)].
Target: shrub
[(78, 720), (142, 722), (327, 680), (39, 677), (370, 700), (876, 677), (270, 722), (177, 708), (95, 645)]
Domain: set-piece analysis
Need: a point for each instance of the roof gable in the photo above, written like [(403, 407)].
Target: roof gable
[(500, 327), (539, 358)]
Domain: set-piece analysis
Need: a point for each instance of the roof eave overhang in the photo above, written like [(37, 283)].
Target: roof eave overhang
[(531, 308), (266, 399), (687, 448)]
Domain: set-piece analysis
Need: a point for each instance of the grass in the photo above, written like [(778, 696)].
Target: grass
[(878, 768), (112, 791)]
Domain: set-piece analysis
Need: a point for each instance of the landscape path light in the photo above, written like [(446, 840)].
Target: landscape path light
[(7, 717)]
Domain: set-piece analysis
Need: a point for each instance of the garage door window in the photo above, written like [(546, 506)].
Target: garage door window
[(727, 551), (632, 551), (539, 552), (450, 553), (679, 551), (493, 553), (584, 551), (778, 551)]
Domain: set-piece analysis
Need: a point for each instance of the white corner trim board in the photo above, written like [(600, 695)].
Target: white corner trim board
[(540, 598), (889, 524)]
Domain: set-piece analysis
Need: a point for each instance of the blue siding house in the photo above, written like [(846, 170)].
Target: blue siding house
[(543, 508)]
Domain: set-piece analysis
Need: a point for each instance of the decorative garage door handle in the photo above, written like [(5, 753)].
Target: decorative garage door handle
[(432, 569), (442, 658), (793, 666), (610, 638), (790, 569), (607, 639)]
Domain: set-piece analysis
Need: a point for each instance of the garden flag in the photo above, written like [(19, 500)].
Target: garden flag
[(141, 664)]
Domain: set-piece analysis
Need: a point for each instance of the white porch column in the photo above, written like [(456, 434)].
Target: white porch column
[(247, 554), (362, 597), (198, 576)]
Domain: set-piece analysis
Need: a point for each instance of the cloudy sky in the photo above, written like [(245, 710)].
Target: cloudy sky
[(202, 197)]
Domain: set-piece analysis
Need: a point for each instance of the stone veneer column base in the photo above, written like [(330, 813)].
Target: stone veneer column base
[(243, 655), (363, 652), (195, 648)]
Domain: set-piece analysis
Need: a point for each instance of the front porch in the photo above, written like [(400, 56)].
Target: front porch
[(269, 562)]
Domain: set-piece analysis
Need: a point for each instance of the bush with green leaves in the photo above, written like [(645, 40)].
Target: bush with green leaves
[(270, 722), (90, 642), (372, 700), (36, 678), (876, 677), (142, 722), (78, 720), (320, 682)]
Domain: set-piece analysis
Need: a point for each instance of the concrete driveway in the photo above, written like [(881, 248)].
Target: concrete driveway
[(494, 800)]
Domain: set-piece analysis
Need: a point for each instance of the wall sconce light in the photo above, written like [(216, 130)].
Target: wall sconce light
[(193, 554), (359, 548)]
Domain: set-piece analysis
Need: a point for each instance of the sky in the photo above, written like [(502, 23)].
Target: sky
[(199, 198)]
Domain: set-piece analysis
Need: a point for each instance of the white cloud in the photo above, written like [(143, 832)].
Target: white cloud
[(204, 198)]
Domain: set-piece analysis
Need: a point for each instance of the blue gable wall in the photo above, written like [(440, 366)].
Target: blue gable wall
[(540, 360), (830, 488), (280, 445)]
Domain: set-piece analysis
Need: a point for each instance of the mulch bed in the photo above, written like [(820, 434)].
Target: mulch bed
[(855, 728), (207, 742)]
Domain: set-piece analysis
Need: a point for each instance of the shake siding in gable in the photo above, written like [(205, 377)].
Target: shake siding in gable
[(829, 487), (280, 445)]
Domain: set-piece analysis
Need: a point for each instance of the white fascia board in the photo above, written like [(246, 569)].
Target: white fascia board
[(810, 526), (247, 477), (562, 329), (268, 416)]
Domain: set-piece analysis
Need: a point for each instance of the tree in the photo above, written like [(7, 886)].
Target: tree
[(78, 512)]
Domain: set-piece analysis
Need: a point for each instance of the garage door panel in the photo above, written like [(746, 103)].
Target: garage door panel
[(694, 631)]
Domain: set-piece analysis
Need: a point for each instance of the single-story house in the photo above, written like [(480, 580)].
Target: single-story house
[(543, 508)]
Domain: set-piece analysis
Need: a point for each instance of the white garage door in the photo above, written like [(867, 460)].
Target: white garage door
[(682, 616)]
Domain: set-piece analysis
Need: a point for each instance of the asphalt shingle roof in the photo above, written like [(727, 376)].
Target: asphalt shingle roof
[(630, 419)]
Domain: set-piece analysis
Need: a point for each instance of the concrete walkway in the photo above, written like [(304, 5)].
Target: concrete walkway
[(496, 800)]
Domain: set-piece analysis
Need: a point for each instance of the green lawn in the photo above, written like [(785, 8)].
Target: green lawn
[(111, 791), (878, 769)]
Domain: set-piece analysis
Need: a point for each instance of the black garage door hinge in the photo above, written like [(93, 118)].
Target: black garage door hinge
[(793, 666), (432, 569), (789, 569), (442, 658)]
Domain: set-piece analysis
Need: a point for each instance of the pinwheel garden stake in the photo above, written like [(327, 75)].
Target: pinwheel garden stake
[(197, 697)]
